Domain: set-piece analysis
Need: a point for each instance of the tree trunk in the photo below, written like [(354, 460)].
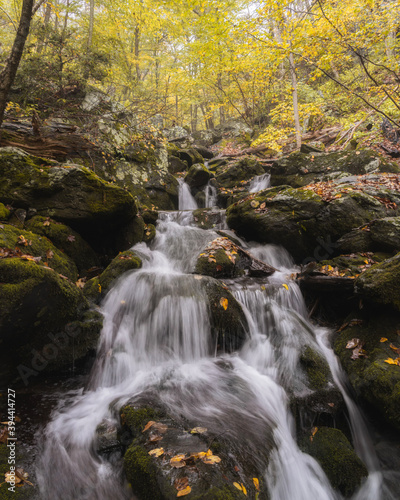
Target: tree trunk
[(46, 21), (91, 23), (137, 51), (7, 76), (295, 100)]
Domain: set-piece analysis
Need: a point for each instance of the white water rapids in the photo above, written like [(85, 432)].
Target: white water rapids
[(157, 339)]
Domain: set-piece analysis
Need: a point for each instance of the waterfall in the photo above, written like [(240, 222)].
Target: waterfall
[(211, 196), (157, 338), (259, 182), (186, 200)]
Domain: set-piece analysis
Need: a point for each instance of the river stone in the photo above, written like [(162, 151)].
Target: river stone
[(176, 165), (73, 195), (231, 174), (205, 152), (339, 461), (300, 169), (190, 156), (197, 176), (375, 382), (385, 233)]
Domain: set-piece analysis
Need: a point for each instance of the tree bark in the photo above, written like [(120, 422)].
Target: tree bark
[(7, 76), (295, 100)]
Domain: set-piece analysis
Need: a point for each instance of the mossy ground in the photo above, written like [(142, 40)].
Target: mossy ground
[(316, 368)]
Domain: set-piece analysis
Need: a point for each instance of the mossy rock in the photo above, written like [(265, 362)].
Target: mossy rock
[(385, 233), (176, 165), (306, 224), (207, 218), (70, 194), (96, 288), (30, 296), (300, 169), (65, 239), (221, 259), (197, 176), (149, 233), (190, 156), (354, 264), (231, 174), (316, 368), (4, 212), (337, 458), (375, 382), (381, 283), (357, 240), (150, 216), (29, 243)]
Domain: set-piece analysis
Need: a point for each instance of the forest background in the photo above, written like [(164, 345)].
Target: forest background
[(283, 67)]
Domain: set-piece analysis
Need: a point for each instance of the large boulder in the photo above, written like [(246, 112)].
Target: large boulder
[(381, 283), (300, 169), (33, 337), (70, 194), (307, 221), (368, 350), (197, 176), (65, 239), (233, 173), (31, 246)]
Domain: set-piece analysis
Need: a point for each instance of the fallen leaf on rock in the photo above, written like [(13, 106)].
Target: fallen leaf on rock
[(46, 222), (383, 339), (392, 361), (314, 430), (184, 492), (155, 438), (178, 461), (81, 283), (359, 352), (240, 487), (22, 241), (224, 303), (285, 286), (198, 430), (351, 344), (181, 483), (12, 477), (157, 452), (210, 460), (256, 483), (395, 349)]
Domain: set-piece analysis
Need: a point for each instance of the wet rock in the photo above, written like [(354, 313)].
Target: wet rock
[(190, 156), (107, 442), (231, 174), (381, 283), (65, 239), (337, 458), (205, 152), (96, 288), (197, 176), (375, 382), (300, 169), (357, 240), (149, 233), (73, 195), (385, 233), (307, 222), (208, 218), (14, 241), (150, 216), (176, 165)]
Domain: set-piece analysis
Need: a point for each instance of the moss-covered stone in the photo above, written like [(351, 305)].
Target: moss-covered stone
[(385, 233), (190, 156), (176, 165), (97, 288), (381, 283), (300, 169), (141, 473), (337, 458), (197, 176), (65, 239), (375, 382), (70, 194), (316, 368), (150, 216), (4, 212), (231, 174), (29, 243), (149, 233)]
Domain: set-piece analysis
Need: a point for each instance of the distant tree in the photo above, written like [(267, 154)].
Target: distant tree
[(7, 75)]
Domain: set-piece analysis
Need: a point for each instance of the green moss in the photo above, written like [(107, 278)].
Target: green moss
[(222, 267), (197, 176), (337, 458), (316, 368), (37, 246), (141, 473), (66, 240), (136, 418), (150, 216), (149, 233), (96, 288), (4, 212)]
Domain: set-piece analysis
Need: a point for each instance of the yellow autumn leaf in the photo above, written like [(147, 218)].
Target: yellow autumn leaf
[(148, 425), (184, 492), (256, 483), (391, 361), (237, 485), (198, 430), (157, 452), (224, 303), (285, 286), (178, 461), (240, 487), (383, 339), (210, 460)]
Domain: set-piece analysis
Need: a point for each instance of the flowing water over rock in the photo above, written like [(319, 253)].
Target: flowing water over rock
[(259, 183), (157, 339), (186, 200)]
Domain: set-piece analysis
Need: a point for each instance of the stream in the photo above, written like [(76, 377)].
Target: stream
[(157, 339)]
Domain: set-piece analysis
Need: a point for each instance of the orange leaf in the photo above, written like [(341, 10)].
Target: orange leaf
[(224, 303), (184, 492)]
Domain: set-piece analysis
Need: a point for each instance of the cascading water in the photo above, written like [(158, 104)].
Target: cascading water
[(259, 182), (157, 338), (186, 200), (211, 196)]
